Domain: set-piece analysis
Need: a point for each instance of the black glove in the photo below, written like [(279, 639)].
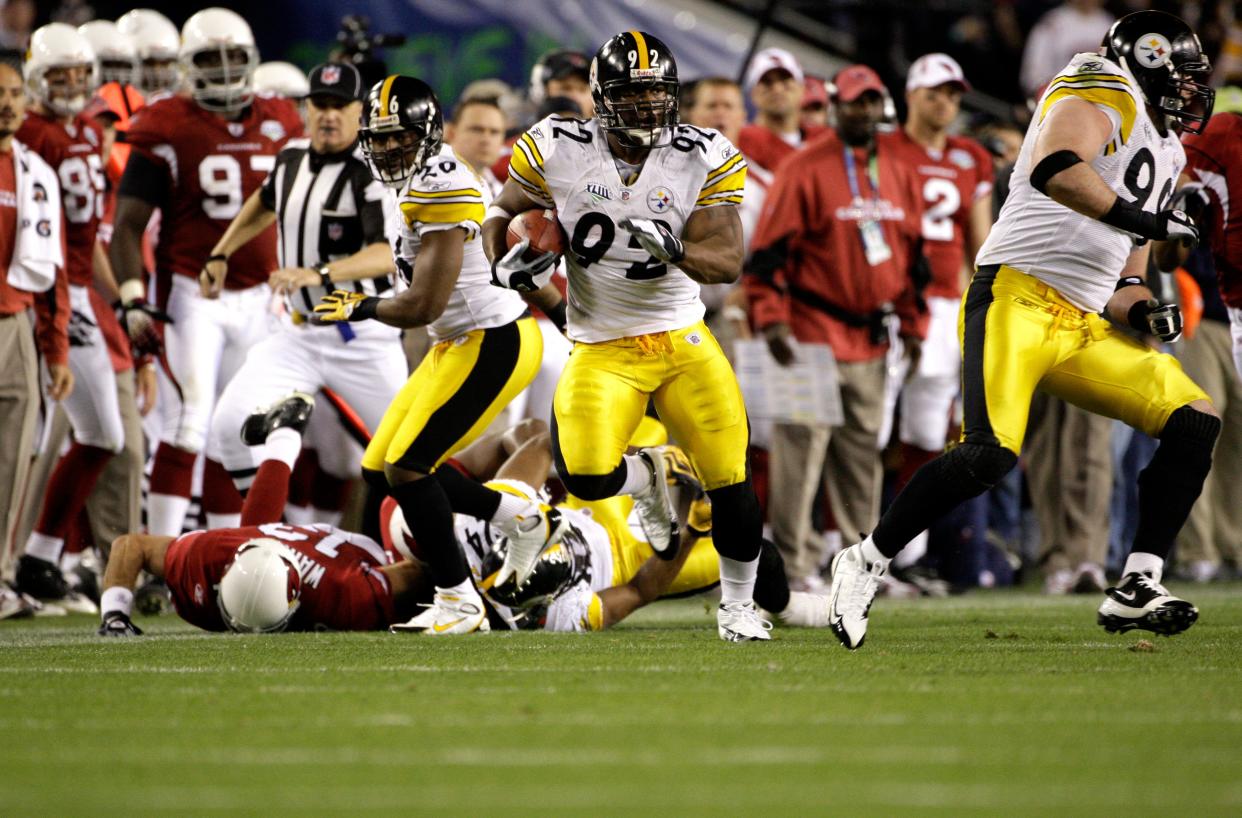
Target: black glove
[(139, 319), (1192, 199), (118, 624), (656, 239), (1161, 320), (1167, 225)]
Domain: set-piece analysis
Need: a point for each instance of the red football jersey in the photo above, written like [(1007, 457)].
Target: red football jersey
[(342, 586), (1214, 158), (74, 152), (764, 147), (951, 181), (213, 166)]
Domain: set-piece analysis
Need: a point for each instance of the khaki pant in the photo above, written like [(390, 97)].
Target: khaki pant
[(847, 460), (1214, 530), (1070, 469), (115, 503), (19, 411)]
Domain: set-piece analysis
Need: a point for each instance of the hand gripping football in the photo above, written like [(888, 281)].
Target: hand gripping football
[(541, 228)]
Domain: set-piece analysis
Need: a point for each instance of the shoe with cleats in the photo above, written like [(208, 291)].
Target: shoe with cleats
[(854, 586), (654, 505), (292, 412), (529, 536), (741, 622), (1140, 602), (449, 614)]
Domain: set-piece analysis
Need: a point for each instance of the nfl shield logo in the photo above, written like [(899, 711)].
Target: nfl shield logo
[(335, 231), (236, 128), (331, 75)]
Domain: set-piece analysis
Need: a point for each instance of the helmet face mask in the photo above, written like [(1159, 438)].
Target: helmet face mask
[(634, 85), (1167, 60), (61, 69), (66, 89), (222, 78), (402, 128)]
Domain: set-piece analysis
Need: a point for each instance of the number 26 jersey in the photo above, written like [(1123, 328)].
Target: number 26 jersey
[(1079, 256), (616, 288)]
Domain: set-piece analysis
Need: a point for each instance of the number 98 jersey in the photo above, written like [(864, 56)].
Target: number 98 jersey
[(616, 288), (1077, 255)]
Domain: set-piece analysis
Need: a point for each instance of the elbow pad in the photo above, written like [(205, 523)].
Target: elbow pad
[(1050, 166)]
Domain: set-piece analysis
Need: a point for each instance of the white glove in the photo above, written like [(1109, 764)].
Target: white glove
[(1177, 226), (511, 272), (656, 239)]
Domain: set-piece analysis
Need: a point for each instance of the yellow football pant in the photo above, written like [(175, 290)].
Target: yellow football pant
[(602, 396), (1018, 334), (454, 394)]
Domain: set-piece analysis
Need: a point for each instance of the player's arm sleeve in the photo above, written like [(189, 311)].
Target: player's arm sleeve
[(425, 209), (725, 179), (527, 164), (1105, 90)]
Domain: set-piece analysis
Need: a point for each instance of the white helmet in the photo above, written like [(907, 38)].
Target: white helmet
[(284, 79), (218, 59), (261, 590), (57, 45), (118, 59), (157, 42)]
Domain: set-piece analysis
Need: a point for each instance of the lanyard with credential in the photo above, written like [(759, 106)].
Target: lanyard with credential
[(869, 230)]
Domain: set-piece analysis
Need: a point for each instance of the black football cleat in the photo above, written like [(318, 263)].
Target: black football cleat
[(1141, 602), (40, 578), (292, 412)]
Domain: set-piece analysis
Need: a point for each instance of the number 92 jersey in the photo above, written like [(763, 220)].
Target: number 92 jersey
[(617, 289), (1079, 256)]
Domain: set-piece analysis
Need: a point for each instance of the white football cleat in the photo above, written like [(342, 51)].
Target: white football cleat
[(654, 505), (448, 615), (741, 622), (854, 585), (805, 610), (529, 535)]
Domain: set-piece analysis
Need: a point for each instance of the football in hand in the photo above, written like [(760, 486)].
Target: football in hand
[(543, 230)]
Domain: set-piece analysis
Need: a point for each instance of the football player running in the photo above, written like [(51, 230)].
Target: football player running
[(197, 157), (1089, 192), (486, 349), (649, 207)]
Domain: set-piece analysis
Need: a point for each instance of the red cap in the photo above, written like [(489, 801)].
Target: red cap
[(814, 92), (853, 80)]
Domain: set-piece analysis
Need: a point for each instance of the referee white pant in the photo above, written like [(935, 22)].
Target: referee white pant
[(366, 371)]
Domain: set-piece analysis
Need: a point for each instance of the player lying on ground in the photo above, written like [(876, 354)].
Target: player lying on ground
[(273, 577)]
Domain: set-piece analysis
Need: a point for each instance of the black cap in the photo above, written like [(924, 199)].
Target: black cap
[(561, 64), (336, 79)]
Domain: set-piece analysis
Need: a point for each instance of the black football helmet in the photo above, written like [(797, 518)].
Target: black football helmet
[(402, 127), (552, 574), (1164, 55), (634, 84)]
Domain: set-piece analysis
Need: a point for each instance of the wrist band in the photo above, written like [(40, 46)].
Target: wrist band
[(557, 315), (324, 278), (496, 212), (1125, 216), (217, 257), (1137, 316), (132, 290), (367, 308), (1129, 281)]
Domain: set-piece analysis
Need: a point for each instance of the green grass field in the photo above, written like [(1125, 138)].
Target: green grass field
[(1049, 715)]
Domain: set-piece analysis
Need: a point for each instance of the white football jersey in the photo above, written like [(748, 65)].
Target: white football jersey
[(616, 288), (446, 193), (1081, 257)]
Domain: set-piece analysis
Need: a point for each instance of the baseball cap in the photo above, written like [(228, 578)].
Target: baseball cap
[(771, 59), (931, 70), (854, 80), (814, 92), (336, 79), (561, 64)]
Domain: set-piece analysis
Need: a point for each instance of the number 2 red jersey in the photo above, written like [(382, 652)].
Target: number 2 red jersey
[(73, 151), (342, 586), (213, 166), (950, 181), (1214, 158)]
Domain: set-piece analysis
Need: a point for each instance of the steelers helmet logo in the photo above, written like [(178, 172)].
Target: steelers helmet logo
[(660, 200), (1152, 50)]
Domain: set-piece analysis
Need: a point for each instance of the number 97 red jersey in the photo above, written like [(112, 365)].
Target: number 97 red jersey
[(213, 165), (343, 588)]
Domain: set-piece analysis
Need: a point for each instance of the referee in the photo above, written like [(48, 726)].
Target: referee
[(330, 218)]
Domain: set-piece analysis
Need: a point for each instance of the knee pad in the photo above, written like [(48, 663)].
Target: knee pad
[(594, 486), (1191, 428), (985, 464)]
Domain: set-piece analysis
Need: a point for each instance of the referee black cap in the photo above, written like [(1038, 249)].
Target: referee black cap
[(336, 79)]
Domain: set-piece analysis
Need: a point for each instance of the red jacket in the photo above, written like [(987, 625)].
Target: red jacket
[(808, 249), (1214, 158)]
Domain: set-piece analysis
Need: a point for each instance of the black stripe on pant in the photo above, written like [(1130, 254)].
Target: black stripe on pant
[(498, 356), (977, 423)]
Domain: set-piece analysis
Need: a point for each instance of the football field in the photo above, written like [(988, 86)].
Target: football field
[(1004, 703)]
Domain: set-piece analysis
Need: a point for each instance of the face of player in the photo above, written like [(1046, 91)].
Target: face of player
[(12, 102), (720, 107), (777, 93), (858, 118), (576, 88), (935, 108), (159, 75), (68, 88), (814, 115), (332, 123), (392, 154), (478, 135)]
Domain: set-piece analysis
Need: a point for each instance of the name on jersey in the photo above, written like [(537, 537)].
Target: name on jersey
[(310, 571), (866, 210), (239, 146)]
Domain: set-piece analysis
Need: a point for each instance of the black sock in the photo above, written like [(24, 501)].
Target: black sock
[(963, 472), (737, 521), (1172, 481), (771, 585), (377, 489), (467, 496), (430, 518)]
